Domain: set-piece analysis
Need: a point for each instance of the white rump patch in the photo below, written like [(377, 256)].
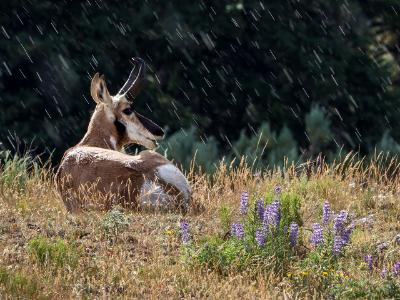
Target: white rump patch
[(172, 175), (153, 196)]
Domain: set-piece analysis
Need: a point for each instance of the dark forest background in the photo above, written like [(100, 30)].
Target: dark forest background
[(265, 79)]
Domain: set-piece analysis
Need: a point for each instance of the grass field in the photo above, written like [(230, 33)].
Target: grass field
[(49, 253)]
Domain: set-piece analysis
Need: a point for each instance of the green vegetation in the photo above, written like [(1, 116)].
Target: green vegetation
[(49, 253), (186, 149), (57, 253), (115, 221), (364, 288), (15, 169), (268, 238), (19, 285), (257, 247)]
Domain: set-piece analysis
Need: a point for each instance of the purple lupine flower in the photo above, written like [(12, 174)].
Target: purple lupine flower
[(260, 237), (260, 209), (340, 219), (185, 231), (346, 233), (342, 237), (233, 229), (337, 245), (317, 236), (384, 273), (272, 215), (396, 269), (237, 230), (294, 230), (326, 213), (244, 202), (266, 218), (368, 260), (275, 213), (277, 189)]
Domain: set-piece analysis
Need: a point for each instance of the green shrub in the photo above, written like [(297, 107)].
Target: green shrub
[(318, 129), (56, 253), (18, 285), (285, 147), (225, 217), (270, 237), (184, 145), (256, 147), (388, 144), (206, 154), (232, 253), (365, 289), (14, 169), (266, 147), (115, 221), (219, 254)]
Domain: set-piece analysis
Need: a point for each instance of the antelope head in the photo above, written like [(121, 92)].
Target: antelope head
[(131, 126)]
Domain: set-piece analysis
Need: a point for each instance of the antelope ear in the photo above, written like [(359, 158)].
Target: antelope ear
[(99, 91)]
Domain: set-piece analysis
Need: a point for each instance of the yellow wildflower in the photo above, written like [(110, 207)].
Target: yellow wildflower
[(170, 231)]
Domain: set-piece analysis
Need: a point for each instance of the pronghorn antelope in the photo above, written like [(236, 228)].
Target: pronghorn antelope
[(97, 167)]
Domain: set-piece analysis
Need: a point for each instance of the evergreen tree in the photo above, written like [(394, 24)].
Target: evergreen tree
[(222, 66)]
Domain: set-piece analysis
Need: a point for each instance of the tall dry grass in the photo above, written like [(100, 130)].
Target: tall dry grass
[(142, 257)]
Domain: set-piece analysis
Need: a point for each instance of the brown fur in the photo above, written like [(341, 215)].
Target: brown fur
[(94, 174), (113, 177), (100, 130)]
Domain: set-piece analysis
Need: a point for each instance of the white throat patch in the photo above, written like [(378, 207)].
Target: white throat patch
[(113, 142)]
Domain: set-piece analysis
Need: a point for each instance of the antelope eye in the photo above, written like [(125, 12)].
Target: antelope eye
[(127, 111)]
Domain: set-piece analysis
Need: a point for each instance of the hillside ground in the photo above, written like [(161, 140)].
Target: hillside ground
[(47, 252)]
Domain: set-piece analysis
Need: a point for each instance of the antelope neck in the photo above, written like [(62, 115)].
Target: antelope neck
[(101, 132)]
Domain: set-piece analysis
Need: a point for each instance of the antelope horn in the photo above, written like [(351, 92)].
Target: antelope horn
[(136, 80)]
